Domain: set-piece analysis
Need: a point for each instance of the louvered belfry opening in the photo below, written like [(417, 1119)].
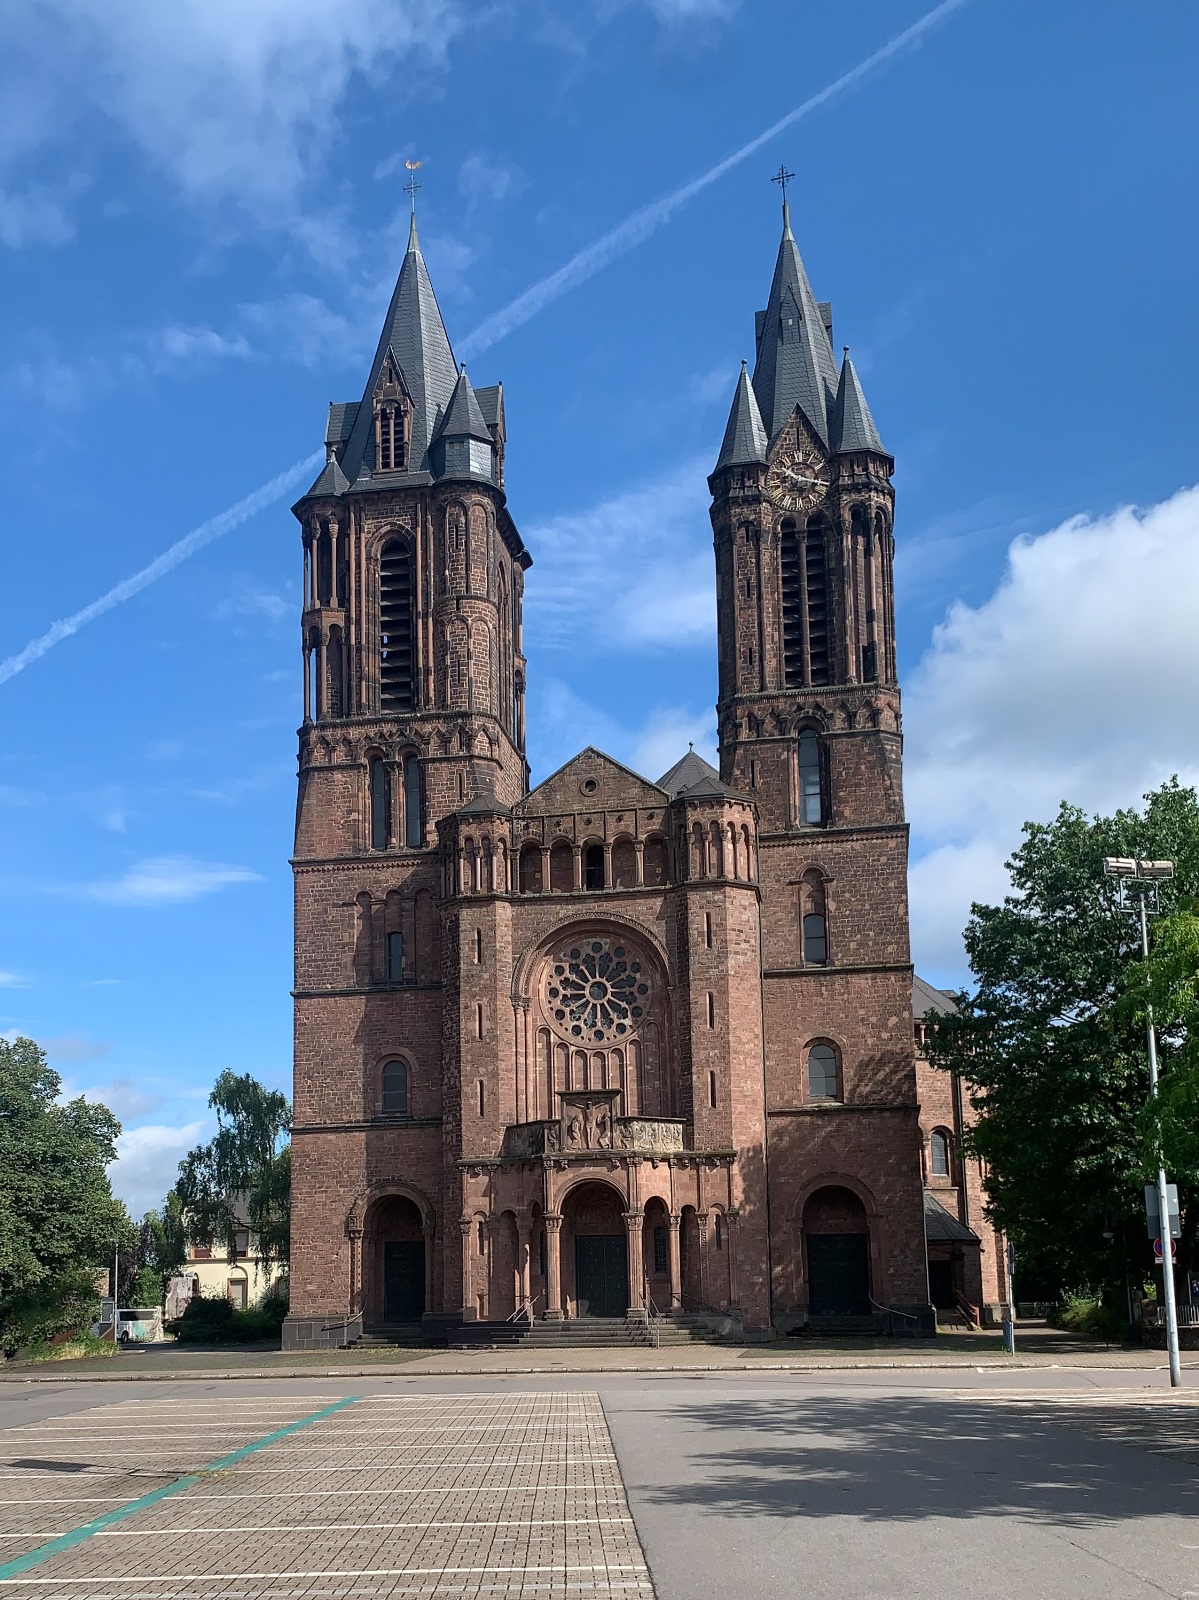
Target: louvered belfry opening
[(792, 556), (816, 562), (395, 627)]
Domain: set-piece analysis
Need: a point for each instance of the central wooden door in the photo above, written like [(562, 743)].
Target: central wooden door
[(602, 1274), (839, 1274)]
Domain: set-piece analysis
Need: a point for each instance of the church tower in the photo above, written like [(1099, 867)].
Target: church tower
[(809, 728)]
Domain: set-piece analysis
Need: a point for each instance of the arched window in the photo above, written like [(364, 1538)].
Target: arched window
[(816, 574), (380, 804), (938, 1153), (791, 553), (395, 627), (811, 778), (813, 919), (822, 1072), (395, 1089), (655, 860), (593, 867), (414, 810)]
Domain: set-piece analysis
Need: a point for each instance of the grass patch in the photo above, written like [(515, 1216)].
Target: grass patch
[(82, 1348)]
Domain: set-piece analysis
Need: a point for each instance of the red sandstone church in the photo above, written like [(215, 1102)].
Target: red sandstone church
[(611, 1046)]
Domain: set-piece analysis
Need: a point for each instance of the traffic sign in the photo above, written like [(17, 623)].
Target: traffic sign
[(1153, 1221), (1157, 1250)]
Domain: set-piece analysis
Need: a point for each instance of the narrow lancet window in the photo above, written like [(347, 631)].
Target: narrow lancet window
[(811, 785), (414, 810), (380, 808), (395, 627)]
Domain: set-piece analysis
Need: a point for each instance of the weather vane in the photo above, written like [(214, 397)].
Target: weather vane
[(782, 177), (412, 186)]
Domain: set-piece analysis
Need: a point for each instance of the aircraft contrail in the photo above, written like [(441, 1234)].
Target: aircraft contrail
[(649, 218), (624, 237), (223, 522)]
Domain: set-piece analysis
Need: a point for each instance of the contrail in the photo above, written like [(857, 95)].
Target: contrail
[(223, 522), (624, 237), (638, 227)]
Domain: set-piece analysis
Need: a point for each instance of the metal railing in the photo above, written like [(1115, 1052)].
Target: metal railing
[(525, 1310), (654, 1317), (892, 1313)]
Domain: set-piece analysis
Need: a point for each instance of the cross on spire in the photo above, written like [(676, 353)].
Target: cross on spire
[(412, 186), (782, 177)]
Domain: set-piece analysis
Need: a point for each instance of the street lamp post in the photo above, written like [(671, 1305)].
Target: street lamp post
[(1140, 879)]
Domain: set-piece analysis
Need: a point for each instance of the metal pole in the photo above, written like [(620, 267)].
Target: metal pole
[(1009, 1324), (1163, 1202)]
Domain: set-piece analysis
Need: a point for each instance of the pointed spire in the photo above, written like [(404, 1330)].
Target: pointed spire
[(745, 436), (795, 364), (414, 333), (852, 426), (464, 416)]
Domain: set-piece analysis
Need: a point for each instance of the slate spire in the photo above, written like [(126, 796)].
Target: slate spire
[(462, 441), (852, 425), (415, 334), (745, 436), (795, 362)]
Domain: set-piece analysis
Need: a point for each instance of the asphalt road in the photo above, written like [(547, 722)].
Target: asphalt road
[(1055, 1484)]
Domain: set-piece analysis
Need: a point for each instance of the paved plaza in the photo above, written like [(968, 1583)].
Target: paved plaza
[(1066, 1483)]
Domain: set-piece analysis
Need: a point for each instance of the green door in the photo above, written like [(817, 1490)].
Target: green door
[(839, 1274), (602, 1274), (403, 1280)]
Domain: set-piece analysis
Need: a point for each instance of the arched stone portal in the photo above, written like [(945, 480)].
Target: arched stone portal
[(394, 1266), (836, 1234), (595, 1260)]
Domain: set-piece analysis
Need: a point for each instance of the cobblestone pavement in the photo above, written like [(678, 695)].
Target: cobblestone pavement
[(446, 1494)]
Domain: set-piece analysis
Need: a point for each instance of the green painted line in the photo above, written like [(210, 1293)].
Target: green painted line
[(11, 1570)]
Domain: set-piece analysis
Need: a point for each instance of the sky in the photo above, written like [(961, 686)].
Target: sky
[(201, 219)]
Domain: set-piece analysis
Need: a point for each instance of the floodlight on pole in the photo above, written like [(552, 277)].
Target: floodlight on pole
[(1139, 881)]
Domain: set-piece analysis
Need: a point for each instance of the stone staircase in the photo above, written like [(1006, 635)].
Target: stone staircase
[(587, 1333)]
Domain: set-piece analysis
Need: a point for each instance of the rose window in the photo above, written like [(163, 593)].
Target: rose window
[(597, 990)]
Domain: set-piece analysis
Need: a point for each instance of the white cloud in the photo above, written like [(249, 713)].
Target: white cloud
[(165, 880), (73, 1047), (12, 980), (484, 178), (232, 102), (36, 216), (1077, 679), (675, 11), (147, 1162), (249, 601), (655, 543)]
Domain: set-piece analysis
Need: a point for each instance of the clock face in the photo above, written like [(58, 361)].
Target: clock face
[(797, 477)]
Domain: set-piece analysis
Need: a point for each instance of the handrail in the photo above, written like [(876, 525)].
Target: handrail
[(892, 1311), (970, 1312), (653, 1317), (525, 1309)]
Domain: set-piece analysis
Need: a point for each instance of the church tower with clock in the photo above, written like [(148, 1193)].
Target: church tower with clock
[(612, 1046)]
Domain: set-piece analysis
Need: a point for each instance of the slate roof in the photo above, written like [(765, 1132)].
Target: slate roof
[(332, 479), (415, 333), (693, 777), (925, 998), (484, 805), (745, 436), (464, 417), (852, 426), (941, 1227), (795, 363), (341, 421), (491, 403)]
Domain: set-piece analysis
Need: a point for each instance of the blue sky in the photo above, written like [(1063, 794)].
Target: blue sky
[(200, 221)]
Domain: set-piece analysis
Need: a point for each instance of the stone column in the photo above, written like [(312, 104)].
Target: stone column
[(524, 1250), (356, 1296), (639, 862), (545, 869), (576, 858), (730, 1218), (430, 1266), (634, 1222), (701, 1247), (553, 1275), (320, 710), (468, 1306), (676, 1276), (607, 863)]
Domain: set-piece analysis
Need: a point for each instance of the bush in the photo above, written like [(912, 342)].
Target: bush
[(1085, 1313), (82, 1347), (67, 1304), (212, 1320)]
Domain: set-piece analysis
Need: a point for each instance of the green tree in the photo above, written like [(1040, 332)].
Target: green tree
[(242, 1177), (161, 1246), (58, 1217), (1052, 1047), (1171, 986)]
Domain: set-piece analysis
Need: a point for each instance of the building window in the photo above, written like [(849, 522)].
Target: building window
[(395, 626), (395, 1089), (593, 867), (414, 810), (939, 1154), (661, 1259), (815, 940), (719, 1231), (816, 573), (482, 1238), (708, 929), (478, 1022), (395, 958), (236, 1291), (811, 786), (822, 1072), (478, 945), (201, 1252), (241, 1244), (711, 1010), (380, 804), (482, 1099), (712, 1090)]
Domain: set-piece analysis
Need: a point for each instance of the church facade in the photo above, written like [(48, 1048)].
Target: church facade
[(612, 1044)]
